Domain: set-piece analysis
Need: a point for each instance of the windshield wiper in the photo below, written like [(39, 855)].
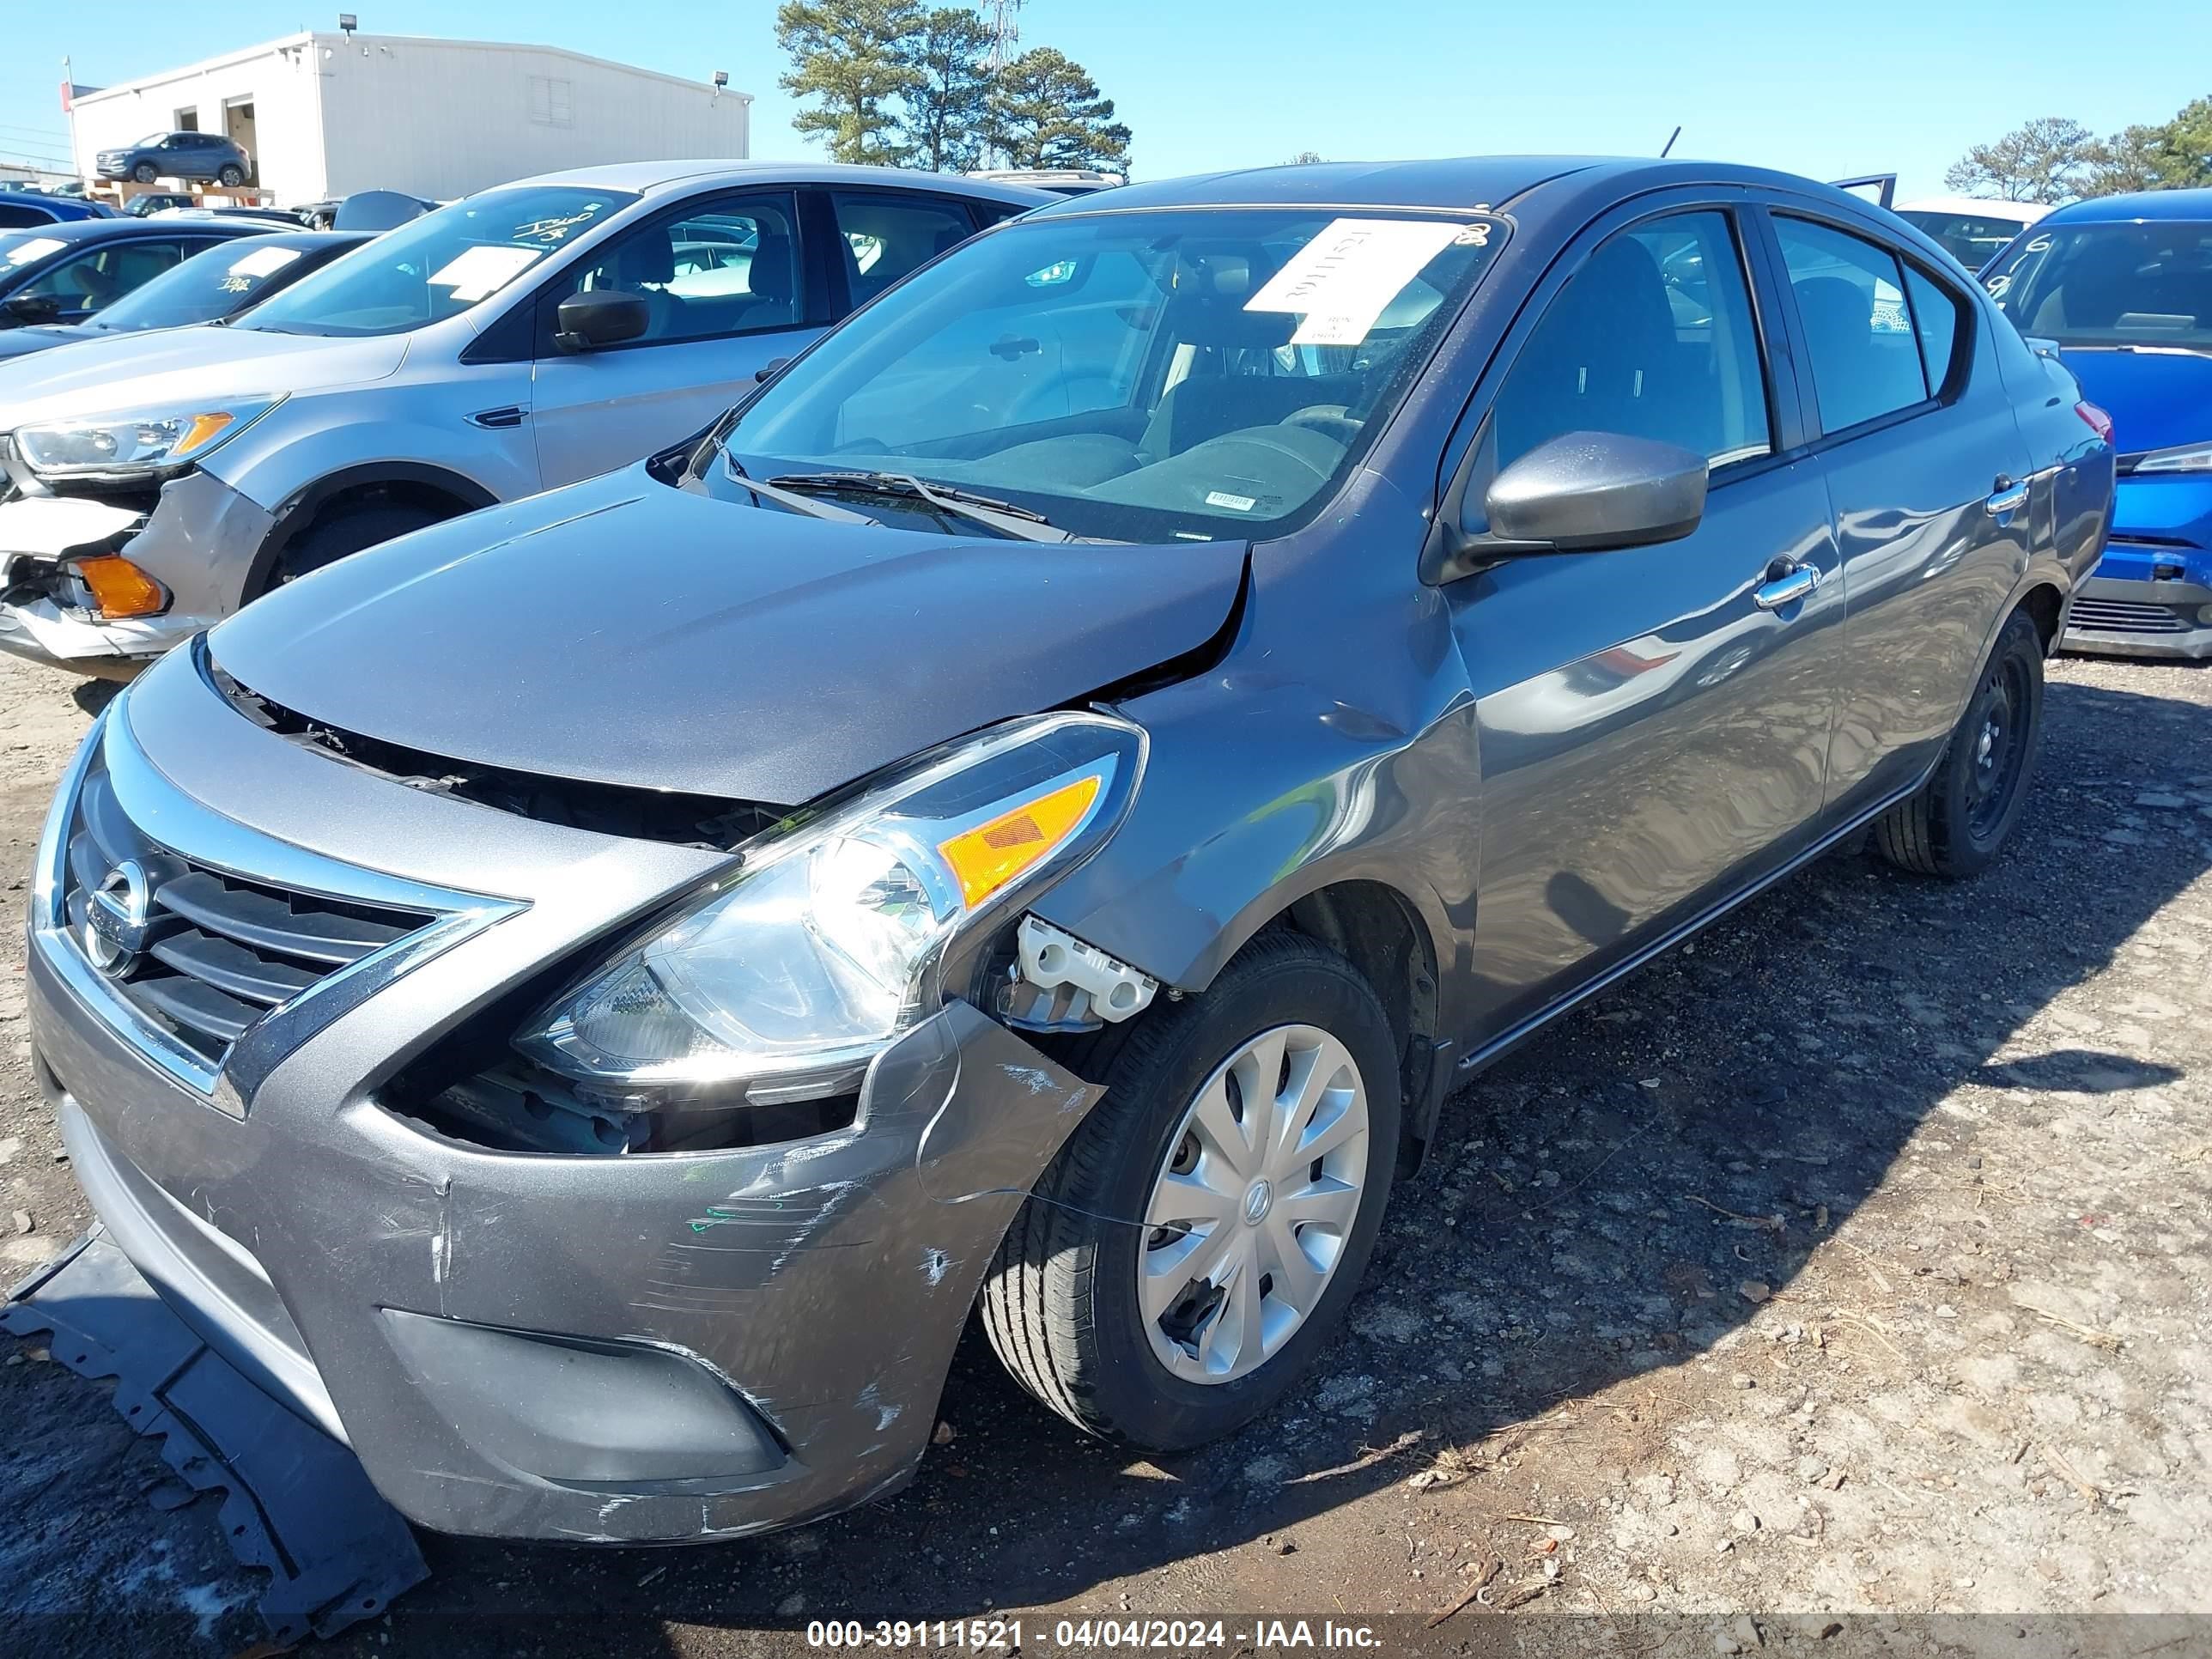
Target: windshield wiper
[(774, 492), (1004, 517)]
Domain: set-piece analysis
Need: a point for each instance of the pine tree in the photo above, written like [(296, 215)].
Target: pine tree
[(945, 107), (1046, 111), (855, 56)]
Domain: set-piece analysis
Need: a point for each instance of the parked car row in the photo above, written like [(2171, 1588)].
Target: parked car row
[(1026, 800)]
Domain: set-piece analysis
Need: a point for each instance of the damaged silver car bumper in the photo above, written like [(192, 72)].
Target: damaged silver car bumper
[(616, 1348), (198, 542)]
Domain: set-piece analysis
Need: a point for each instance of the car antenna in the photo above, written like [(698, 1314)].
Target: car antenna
[(1669, 144)]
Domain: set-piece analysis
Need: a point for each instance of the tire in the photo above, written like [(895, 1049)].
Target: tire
[(1061, 1303), (337, 534), (232, 176), (1959, 822), (144, 174)]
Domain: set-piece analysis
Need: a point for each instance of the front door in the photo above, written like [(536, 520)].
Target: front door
[(1654, 721), (725, 293)]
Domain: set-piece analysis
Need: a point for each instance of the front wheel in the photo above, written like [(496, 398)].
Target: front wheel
[(1965, 812), (232, 176), (143, 172), (1196, 1242), (348, 529)]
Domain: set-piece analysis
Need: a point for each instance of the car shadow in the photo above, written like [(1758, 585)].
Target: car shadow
[(1594, 1202)]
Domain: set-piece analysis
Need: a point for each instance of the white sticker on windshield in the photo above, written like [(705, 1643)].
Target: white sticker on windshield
[(263, 260), (37, 248), (477, 271), (1339, 283), (1234, 503)]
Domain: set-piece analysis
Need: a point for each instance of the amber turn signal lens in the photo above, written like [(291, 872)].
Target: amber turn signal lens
[(992, 854), (120, 588)]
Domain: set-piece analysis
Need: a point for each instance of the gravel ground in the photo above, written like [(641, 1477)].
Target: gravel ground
[(1853, 1260)]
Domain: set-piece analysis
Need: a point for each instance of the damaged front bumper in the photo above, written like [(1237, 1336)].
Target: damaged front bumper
[(198, 542), (608, 1349)]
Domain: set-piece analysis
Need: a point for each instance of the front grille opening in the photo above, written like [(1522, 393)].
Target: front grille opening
[(703, 821), (220, 952), (2130, 616)]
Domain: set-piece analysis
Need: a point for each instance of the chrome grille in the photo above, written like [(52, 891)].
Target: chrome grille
[(217, 953), (2127, 617)]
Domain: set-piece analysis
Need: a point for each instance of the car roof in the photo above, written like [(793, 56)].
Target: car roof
[(2141, 204), (123, 227), (66, 207), (1463, 184), (646, 177)]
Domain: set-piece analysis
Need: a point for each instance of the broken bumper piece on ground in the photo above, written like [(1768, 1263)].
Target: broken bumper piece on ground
[(296, 1504)]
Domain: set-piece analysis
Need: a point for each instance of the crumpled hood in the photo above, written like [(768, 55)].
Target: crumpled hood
[(165, 367), (625, 632), (2156, 398)]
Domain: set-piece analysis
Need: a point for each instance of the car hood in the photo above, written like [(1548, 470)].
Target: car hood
[(159, 368), (2156, 398), (624, 632), (38, 337)]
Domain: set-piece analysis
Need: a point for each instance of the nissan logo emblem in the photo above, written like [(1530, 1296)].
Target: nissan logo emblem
[(115, 919)]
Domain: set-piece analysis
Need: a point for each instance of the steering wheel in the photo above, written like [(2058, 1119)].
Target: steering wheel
[(1330, 420)]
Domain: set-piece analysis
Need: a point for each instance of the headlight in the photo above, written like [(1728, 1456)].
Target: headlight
[(792, 971), (2189, 458), (132, 446)]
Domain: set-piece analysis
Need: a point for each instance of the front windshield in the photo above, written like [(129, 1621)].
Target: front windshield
[(438, 265), (208, 285), (1191, 374), (2143, 285)]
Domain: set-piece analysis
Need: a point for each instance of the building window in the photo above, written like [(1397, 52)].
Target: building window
[(549, 101)]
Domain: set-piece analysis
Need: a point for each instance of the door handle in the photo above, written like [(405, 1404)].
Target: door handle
[(1793, 584), (2010, 498)]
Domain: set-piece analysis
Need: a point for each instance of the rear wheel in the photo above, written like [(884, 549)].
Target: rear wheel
[(1198, 1240), (1964, 814)]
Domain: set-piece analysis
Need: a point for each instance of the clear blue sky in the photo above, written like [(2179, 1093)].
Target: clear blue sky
[(1825, 89)]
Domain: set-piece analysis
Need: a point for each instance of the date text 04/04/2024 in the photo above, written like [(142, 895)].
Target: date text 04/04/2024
[(1086, 1634)]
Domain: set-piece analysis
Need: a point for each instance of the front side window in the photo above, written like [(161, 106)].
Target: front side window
[(1652, 338), (885, 237), (1190, 373), (729, 267), (2141, 284), (1865, 356), (440, 265)]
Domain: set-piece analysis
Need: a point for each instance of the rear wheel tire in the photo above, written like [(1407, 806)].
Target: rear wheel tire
[(349, 530), (232, 176), (1960, 819), (1079, 1308)]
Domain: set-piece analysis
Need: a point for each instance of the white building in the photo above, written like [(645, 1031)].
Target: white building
[(324, 115)]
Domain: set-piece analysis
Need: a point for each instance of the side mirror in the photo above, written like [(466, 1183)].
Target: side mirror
[(1579, 493), (35, 307), (586, 322), (768, 370)]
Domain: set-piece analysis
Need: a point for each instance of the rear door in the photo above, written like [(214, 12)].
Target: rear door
[(1654, 720), (1927, 478), (726, 291)]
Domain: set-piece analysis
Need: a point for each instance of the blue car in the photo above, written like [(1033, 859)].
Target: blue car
[(2122, 289), (20, 209)]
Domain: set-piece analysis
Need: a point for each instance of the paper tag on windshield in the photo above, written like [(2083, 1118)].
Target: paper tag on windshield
[(263, 260), (477, 271), (1340, 282), (37, 248)]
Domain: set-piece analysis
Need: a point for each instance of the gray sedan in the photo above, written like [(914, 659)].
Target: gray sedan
[(1035, 808)]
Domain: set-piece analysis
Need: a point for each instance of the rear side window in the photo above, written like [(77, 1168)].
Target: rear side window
[(1858, 331), (1652, 338), (1935, 320), (887, 236)]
